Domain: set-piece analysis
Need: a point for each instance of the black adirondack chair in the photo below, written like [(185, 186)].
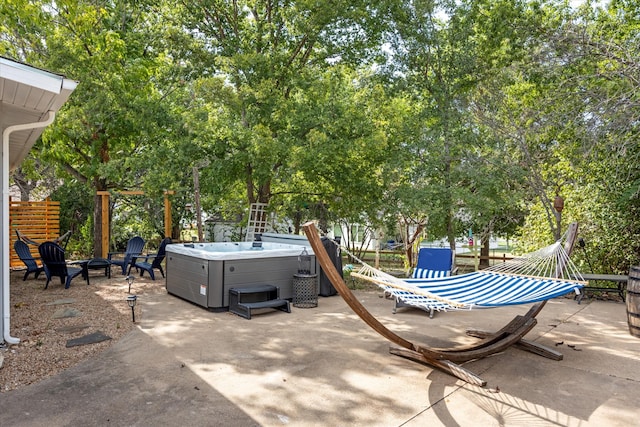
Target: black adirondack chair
[(55, 264), (23, 252), (156, 260), (134, 248)]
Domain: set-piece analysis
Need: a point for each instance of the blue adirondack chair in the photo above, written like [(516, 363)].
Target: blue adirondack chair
[(156, 260), (55, 264), (134, 248), (23, 252)]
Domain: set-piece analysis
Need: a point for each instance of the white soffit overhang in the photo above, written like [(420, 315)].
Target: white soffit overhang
[(27, 95)]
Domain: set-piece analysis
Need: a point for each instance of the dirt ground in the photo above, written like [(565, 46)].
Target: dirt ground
[(45, 320)]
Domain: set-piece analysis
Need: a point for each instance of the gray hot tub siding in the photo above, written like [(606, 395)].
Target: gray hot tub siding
[(186, 274)]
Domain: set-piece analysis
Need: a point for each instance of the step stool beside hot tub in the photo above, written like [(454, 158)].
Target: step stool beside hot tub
[(204, 273), (242, 301)]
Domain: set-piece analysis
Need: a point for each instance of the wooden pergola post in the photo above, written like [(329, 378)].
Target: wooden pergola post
[(105, 195)]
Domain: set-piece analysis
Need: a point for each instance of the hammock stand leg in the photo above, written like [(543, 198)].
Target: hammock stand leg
[(527, 345), (490, 344), (444, 365)]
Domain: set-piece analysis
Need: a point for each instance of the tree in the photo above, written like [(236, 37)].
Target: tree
[(113, 49), (446, 50), (257, 58), (565, 114), (344, 167), (599, 47)]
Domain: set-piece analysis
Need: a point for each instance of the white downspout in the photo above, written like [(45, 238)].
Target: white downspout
[(6, 309)]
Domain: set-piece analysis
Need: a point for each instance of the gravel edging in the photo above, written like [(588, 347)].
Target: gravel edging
[(46, 320)]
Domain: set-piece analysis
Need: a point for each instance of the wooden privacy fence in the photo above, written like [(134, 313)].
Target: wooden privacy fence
[(39, 221)]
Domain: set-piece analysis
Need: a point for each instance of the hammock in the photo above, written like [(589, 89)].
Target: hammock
[(534, 277), (449, 359), (58, 240)]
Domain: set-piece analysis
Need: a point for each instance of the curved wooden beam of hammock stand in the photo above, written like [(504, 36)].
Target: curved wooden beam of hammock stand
[(446, 359)]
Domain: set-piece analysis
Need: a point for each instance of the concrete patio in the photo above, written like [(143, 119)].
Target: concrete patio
[(323, 366)]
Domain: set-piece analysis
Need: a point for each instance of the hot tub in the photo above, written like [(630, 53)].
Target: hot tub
[(203, 273)]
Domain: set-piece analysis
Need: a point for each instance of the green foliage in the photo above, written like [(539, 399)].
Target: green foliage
[(136, 215), (562, 112), (76, 205), (444, 115)]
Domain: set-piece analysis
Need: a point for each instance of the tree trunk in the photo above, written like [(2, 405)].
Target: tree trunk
[(484, 251), (409, 241), (100, 184), (24, 185), (97, 227)]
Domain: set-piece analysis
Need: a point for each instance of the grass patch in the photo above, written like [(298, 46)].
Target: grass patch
[(358, 284)]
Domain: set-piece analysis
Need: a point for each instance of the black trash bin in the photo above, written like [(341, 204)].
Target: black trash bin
[(326, 289), (305, 290)]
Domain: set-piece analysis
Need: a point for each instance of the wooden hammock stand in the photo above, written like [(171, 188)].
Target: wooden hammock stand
[(446, 359)]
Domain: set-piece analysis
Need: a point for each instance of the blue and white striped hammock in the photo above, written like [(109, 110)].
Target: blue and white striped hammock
[(522, 280)]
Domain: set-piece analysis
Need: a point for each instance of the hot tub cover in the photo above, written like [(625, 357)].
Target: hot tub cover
[(236, 250)]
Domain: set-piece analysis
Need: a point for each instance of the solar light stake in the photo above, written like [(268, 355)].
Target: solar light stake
[(129, 280), (131, 300)]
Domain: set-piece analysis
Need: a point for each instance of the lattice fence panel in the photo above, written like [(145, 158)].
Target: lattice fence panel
[(257, 220)]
